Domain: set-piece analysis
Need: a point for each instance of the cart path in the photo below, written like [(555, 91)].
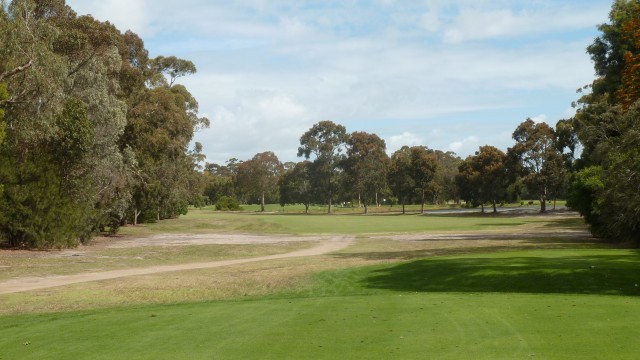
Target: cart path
[(35, 283)]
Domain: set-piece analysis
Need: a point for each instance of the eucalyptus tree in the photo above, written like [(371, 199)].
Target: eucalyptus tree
[(483, 177), (443, 186), (325, 142), (400, 176), (366, 166), (295, 185), (259, 176), (537, 153), (423, 169)]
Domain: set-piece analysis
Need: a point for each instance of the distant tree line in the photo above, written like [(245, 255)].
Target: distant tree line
[(354, 168)]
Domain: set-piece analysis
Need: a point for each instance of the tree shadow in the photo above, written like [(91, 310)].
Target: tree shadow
[(594, 274)]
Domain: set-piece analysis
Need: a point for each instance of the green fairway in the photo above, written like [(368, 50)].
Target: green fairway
[(207, 220), (549, 304)]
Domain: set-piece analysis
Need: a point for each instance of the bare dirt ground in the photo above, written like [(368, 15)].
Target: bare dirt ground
[(325, 245)]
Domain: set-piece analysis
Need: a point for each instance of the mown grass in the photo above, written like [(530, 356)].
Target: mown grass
[(556, 304), (207, 220)]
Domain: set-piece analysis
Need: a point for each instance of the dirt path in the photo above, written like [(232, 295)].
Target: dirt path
[(34, 283)]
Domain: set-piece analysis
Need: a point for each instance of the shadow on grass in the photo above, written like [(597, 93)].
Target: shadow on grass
[(593, 274)]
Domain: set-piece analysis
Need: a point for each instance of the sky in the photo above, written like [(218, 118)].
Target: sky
[(451, 75)]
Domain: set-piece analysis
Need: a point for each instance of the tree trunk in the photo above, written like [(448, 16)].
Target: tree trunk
[(136, 213), (543, 200), (482, 207), (422, 203), (262, 202), (403, 207), (329, 208), (366, 208), (554, 203), (158, 214), (377, 203), (494, 207), (306, 208)]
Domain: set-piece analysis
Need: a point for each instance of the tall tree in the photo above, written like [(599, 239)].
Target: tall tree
[(326, 143), (483, 177), (443, 185), (423, 169), (400, 175), (366, 166), (259, 176), (295, 185), (536, 149)]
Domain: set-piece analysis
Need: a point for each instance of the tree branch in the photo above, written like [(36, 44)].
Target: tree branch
[(17, 70)]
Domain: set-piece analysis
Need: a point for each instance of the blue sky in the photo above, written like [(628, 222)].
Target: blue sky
[(451, 75)]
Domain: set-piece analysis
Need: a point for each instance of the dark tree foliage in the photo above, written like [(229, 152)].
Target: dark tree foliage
[(605, 189)]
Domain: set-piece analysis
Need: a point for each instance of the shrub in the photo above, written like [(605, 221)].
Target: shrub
[(227, 203)]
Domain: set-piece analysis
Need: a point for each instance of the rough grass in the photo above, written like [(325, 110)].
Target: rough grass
[(44, 263)]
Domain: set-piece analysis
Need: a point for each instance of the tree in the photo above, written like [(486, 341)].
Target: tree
[(295, 185), (604, 188), (366, 166), (483, 177), (172, 67), (326, 141), (400, 175), (443, 185), (423, 169), (536, 150), (609, 50), (259, 176)]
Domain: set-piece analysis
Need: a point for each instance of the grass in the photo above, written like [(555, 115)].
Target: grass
[(26, 263), (542, 304), (491, 296), (207, 220)]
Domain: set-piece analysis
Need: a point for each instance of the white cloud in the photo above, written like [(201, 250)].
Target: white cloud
[(464, 144), (395, 142), (475, 22), (125, 14), (542, 118)]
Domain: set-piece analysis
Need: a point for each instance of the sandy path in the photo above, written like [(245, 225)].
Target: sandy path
[(34, 283)]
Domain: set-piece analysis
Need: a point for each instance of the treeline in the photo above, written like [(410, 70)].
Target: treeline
[(354, 168), (93, 132)]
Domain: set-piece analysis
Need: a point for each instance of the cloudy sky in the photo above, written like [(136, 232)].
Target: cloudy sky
[(451, 75)]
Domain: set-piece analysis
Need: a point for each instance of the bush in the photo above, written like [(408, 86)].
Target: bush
[(227, 203)]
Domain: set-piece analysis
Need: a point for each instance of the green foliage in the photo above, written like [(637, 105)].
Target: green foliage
[(606, 190), (483, 177), (34, 210), (257, 178), (326, 141), (227, 203), (366, 167), (86, 100), (295, 185)]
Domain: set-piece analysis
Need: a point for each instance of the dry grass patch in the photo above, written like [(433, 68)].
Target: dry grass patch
[(17, 264)]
